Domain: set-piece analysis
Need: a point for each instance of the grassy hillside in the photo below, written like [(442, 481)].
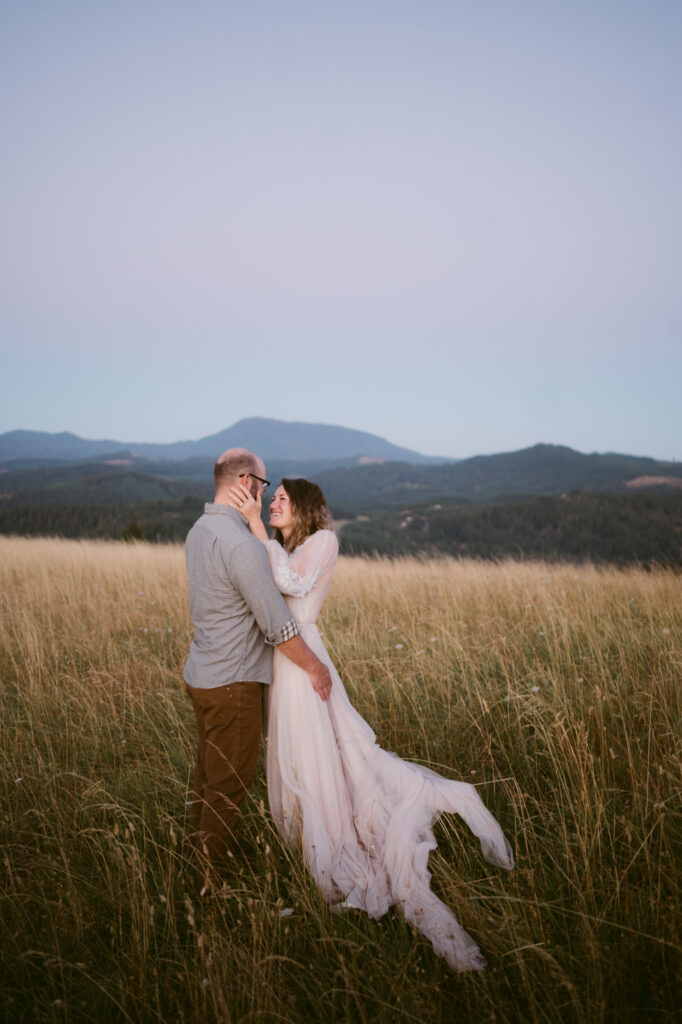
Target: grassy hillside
[(555, 689)]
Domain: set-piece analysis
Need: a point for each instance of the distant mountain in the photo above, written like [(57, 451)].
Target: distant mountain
[(273, 439)]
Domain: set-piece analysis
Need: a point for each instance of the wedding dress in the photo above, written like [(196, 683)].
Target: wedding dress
[(362, 816)]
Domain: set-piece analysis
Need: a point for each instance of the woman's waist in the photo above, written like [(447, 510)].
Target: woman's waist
[(303, 625)]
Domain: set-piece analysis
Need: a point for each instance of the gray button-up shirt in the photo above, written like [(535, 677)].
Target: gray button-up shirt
[(235, 606)]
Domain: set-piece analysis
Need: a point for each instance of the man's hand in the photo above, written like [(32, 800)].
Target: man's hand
[(322, 682), (297, 650), (250, 509)]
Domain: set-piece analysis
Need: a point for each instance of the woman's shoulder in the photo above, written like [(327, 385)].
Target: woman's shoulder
[(321, 537)]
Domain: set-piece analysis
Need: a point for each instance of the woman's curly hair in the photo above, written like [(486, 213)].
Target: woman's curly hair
[(308, 509)]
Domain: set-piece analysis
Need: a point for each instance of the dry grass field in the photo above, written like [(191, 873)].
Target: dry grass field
[(554, 688)]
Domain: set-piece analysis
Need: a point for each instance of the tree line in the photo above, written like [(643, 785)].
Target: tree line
[(644, 528)]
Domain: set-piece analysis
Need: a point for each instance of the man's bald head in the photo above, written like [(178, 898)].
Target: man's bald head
[(232, 464)]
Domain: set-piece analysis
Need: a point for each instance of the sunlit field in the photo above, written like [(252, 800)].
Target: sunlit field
[(554, 688)]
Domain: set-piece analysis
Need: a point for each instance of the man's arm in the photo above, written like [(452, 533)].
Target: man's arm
[(297, 650), (250, 569)]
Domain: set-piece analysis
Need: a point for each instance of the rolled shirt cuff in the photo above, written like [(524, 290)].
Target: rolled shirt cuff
[(285, 632)]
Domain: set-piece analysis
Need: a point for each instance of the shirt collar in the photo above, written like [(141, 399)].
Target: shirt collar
[(211, 508)]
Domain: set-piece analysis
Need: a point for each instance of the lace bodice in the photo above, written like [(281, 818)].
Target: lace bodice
[(304, 575)]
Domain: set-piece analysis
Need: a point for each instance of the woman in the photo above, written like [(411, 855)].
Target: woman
[(362, 816)]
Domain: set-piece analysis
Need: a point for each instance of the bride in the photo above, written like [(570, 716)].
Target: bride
[(362, 816)]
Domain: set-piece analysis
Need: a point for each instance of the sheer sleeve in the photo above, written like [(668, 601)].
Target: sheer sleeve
[(297, 573)]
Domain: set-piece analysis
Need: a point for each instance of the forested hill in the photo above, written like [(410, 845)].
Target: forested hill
[(351, 488), (542, 469), (639, 528)]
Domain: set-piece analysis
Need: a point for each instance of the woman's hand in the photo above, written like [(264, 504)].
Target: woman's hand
[(250, 509)]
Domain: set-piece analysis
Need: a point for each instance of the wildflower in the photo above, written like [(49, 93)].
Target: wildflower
[(666, 632), (19, 779), (534, 689), (205, 982), (399, 647), (432, 639), (286, 912), (423, 651), (580, 679)]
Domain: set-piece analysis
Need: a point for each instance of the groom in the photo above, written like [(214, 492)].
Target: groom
[(239, 616)]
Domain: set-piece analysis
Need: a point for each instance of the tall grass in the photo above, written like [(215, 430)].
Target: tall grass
[(554, 688)]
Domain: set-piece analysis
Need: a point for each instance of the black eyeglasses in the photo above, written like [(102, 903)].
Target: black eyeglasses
[(265, 483)]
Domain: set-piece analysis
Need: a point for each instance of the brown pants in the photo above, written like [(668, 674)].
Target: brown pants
[(229, 722)]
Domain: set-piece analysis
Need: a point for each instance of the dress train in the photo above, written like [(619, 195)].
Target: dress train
[(362, 816)]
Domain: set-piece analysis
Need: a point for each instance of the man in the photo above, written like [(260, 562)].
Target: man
[(239, 616)]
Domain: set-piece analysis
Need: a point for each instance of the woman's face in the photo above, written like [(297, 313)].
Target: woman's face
[(281, 516)]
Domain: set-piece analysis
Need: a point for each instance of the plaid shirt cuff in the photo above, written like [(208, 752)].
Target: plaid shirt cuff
[(286, 632)]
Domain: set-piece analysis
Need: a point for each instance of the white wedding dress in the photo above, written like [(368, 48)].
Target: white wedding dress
[(362, 816)]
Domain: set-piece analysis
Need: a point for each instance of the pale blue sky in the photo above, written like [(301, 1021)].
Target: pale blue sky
[(456, 225)]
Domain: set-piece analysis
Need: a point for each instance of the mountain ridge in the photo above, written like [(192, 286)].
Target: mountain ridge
[(273, 439), (352, 486)]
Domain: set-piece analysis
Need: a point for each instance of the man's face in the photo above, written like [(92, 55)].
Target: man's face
[(255, 485)]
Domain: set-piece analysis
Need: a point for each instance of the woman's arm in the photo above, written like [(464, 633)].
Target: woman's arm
[(297, 573)]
